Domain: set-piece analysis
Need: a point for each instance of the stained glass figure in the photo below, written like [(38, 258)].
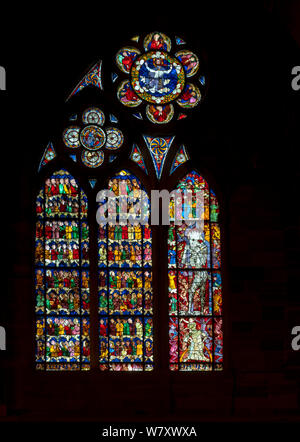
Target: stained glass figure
[(125, 279), (190, 96), (189, 61), (62, 276), (160, 114), (157, 78), (180, 158), (195, 285), (125, 58), (157, 41), (48, 155), (137, 157), (93, 136), (127, 96), (158, 148), (92, 78), (92, 159)]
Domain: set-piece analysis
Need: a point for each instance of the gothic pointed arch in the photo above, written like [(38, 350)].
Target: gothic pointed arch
[(119, 135), (195, 282), (125, 275), (62, 275)]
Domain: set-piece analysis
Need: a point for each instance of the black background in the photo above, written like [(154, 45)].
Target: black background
[(244, 135)]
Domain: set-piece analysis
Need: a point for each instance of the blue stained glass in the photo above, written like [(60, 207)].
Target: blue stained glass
[(179, 41), (113, 119), (157, 77), (202, 80), (114, 76), (138, 116)]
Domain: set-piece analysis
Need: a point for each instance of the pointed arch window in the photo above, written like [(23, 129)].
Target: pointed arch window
[(62, 275), (195, 298), (125, 278), (165, 81)]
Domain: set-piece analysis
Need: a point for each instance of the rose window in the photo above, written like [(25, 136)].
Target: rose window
[(159, 84)]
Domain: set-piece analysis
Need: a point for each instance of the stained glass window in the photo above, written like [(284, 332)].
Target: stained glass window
[(92, 78), (125, 278), (195, 288), (62, 275), (92, 138), (48, 155), (158, 148), (160, 79)]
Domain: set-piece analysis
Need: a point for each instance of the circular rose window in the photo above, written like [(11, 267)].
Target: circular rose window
[(92, 137)]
